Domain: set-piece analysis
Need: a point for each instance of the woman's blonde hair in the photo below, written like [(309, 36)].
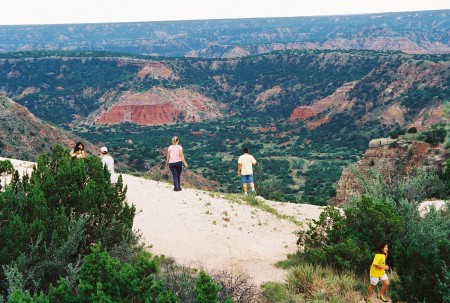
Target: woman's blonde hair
[(175, 140)]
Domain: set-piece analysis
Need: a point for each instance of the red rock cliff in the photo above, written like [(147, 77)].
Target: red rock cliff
[(160, 106)]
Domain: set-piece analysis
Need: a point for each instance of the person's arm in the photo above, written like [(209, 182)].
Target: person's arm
[(167, 158), (385, 267), (239, 168), (182, 158)]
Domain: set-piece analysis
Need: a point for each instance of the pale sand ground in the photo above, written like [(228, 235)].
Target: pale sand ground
[(203, 230), (207, 231)]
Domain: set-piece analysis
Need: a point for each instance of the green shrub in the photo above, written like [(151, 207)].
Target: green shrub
[(6, 167), (206, 290), (52, 218), (314, 282), (421, 185), (394, 134), (103, 278), (20, 297), (421, 257), (446, 177), (436, 135), (412, 130), (345, 240), (275, 292)]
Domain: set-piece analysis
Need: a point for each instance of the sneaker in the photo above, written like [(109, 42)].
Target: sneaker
[(382, 298), (367, 300), (245, 194)]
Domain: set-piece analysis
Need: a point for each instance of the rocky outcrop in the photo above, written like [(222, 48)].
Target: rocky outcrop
[(160, 106), (264, 99), (145, 114), (155, 70), (394, 159), (334, 103), (429, 116), (304, 113)]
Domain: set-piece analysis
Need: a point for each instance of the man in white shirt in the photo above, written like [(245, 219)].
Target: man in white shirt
[(245, 170), (109, 162)]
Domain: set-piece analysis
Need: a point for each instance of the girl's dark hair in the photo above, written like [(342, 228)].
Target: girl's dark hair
[(380, 246), (79, 146)]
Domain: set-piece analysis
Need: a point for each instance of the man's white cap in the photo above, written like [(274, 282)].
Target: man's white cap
[(104, 149)]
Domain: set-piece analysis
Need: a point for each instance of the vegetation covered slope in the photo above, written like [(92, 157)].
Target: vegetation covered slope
[(355, 96), (24, 136)]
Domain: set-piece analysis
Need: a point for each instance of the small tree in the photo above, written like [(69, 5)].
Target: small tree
[(394, 134), (5, 168), (412, 130), (52, 218), (206, 290), (423, 242)]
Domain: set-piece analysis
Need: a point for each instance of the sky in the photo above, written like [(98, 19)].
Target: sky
[(100, 11)]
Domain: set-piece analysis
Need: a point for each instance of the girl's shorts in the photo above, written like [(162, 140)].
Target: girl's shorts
[(374, 281)]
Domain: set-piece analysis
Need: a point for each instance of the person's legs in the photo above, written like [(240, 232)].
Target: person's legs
[(244, 187), (179, 170), (373, 283), (369, 293), (174, 171), (383, 290), (244, 183), (250, 180), (384, 287)]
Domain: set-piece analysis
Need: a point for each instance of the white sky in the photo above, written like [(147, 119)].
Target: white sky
[(98, 11)]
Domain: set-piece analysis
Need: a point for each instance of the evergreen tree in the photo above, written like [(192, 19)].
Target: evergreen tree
[(51, 219), (206, 290)]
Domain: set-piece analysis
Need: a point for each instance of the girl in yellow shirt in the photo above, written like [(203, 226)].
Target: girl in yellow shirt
[(377, 272)]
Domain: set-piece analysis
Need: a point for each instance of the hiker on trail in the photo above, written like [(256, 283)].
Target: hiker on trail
[(78, 151), (175, 160), (108, 161), (245, 170), (378, 272)]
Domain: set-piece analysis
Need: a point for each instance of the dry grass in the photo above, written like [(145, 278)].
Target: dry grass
[(314, 284)]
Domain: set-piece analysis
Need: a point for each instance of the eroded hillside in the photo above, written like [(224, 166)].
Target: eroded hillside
[(24, 136)]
